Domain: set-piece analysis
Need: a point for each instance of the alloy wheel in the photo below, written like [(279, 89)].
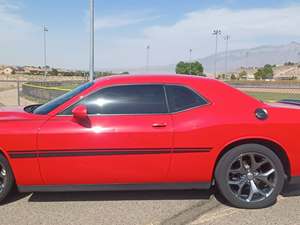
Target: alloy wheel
[(252, 177)]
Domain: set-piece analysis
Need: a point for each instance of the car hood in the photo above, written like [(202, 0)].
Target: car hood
[(13, 113)]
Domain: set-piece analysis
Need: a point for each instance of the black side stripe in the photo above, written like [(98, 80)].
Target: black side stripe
[(101, 152)]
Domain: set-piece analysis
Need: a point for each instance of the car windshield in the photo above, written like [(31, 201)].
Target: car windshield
[(48, 107)]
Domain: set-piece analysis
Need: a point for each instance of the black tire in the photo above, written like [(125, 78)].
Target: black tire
[(6, 178), (235, 175)]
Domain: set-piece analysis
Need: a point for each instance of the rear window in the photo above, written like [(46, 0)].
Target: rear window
[(182, 98)]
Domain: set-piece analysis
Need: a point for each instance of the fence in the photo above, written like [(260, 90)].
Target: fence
[(24, 92)]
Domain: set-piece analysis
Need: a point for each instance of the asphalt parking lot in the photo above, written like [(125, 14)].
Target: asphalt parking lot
[(142, 208), (117, 208)]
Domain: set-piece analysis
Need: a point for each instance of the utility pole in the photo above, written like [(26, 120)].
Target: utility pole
[(190, 60), (92, 40), (227, 37), (147, 58), (216, 33), (45, 30)]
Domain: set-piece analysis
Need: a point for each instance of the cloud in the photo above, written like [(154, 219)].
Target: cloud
[(17, 39), (170, 43), (122, 20), (10, 18)]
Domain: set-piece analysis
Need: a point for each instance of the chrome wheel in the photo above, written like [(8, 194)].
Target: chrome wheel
[(252, 177)]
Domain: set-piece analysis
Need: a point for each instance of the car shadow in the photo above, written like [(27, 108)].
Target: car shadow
[(119, 196), (14, 196), (289, 191)]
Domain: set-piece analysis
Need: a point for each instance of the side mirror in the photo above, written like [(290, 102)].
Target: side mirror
[(80, 112)]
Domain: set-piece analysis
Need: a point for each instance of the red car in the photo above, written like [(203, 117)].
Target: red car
[(147, 132)]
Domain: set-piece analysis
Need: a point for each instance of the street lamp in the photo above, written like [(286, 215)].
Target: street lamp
[(226, 38), (247, 60), (92, 40), (190, 59), (147, 58), (216, 33), (45, 30)]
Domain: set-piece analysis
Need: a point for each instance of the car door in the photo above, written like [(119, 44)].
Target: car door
[(127, 139), (193, 126)]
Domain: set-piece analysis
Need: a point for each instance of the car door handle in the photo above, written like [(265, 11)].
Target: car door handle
[(159, 125)]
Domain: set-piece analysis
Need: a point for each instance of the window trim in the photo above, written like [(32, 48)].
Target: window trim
[(208, 102)]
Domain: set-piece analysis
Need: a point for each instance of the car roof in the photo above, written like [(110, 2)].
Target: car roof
[(150, 78)]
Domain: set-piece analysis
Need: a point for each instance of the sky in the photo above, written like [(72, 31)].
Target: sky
[(125, 27)]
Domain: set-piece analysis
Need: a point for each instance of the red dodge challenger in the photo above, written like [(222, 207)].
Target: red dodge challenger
[(152, 133)]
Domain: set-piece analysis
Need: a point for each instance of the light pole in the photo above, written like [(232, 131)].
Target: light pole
[(45, 30), (216, 33), (92, 40), (227, 37), (147, 58), (247, 60), (190, 60)]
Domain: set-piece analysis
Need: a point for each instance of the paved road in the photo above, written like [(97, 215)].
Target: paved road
[(285, 212), (106, 208), (141, 208)]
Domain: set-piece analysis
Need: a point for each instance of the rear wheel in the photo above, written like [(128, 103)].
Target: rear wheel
[(6, 178), (250, 176)]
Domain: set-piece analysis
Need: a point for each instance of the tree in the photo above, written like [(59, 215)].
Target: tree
[(54, 72), (243, 75), (264, 73), (232, 77), (194, 68)]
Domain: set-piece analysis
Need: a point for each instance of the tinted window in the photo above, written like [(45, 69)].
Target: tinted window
[(48, 107), (181, 98), (131, 99)]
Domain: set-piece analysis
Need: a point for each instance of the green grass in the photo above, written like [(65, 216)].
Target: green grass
[(273, 97)]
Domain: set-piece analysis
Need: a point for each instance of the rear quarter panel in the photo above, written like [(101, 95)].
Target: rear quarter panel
[(230, 117)]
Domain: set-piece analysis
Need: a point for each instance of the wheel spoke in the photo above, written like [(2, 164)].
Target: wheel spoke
[(254, 164), (250, 196), (268, 173), (2, 173), (241, 186), (253, 190), (241, 169), (265, 180)]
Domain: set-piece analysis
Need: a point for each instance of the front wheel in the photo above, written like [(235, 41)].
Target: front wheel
[(250, 176), (6, 178)]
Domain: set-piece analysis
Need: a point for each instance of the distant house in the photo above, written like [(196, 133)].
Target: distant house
[(19, 70), (8, 71), (32, 70)]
